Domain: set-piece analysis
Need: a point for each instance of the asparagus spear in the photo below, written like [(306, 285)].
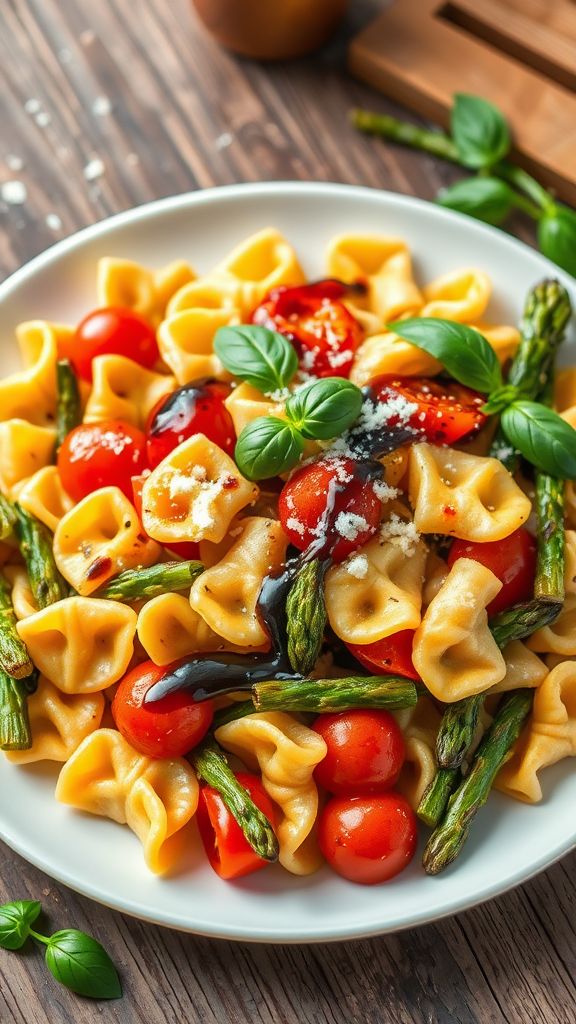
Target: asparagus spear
[(211, 765), (14, 721), (68, 411), (436, 796), (7, 518), (14, 658), (166, 578), (334, 694), (449, 837), (306, 616), (457, 730), (35, 543)]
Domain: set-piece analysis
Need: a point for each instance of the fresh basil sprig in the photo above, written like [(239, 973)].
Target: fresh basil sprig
[(542, 437), (75, 959), (266, 447), (479, 130), (263, 358), (465, 353), (324, 408), (487, 199)]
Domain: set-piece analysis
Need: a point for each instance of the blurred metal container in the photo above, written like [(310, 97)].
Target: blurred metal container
[(271, 29)]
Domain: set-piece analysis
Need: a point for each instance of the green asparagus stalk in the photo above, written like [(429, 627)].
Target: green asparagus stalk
[(449, 837), (166, 578), (436, 143), (334, 694), (435, 798), (211, 765), (14, 722), (35, 542), (457, 730), (306, 616), (7, 518), (14, 658), (68, 409)]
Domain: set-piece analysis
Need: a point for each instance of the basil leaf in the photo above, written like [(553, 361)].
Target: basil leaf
[(487, 199), (479, 130), (16, 920), (557, 237), (325, 407), (463, 351), (542, 437), (263, 358), (266, 447), (81, 964)]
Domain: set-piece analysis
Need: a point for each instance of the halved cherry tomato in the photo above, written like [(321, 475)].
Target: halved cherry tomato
[(444, 412), (169, 727), (329, 502), (512, 560), (392, 655), (106, 454), (227, 849), (111, 330), (186, 549), (196, 408), (368, 839), (365, 751), (323, 331)]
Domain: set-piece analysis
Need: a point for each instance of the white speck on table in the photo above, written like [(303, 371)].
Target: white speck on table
[(101, 106), (14, 163), (14, 192), (94, 169), (53, 222)]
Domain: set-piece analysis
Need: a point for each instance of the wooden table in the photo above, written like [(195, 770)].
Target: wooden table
[(141, 88)]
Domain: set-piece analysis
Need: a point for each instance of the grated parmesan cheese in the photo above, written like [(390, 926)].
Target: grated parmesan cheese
[(357, 566), (384, 492), (349, 525), (401, 533)]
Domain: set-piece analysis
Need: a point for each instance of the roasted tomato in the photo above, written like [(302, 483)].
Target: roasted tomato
[(329, 503), (323, 331), (193, 409), (169, 727), (441, 412), (390, 656), (512, 560), (369, 838), (365, 751), (111, 331), (106, 454), (187, 549), (227, 849)]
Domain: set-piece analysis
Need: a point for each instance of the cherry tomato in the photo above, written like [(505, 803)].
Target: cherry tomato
[(186, 549), (193, 409), (227, 849), (169, 727), (368, 839), (111, 330), (328, 499), (365, 751), (444, 413), (103, 454), (392, 655), (323, 331), (512, 560)]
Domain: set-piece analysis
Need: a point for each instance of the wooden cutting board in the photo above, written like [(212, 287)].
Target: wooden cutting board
[(521, 54)]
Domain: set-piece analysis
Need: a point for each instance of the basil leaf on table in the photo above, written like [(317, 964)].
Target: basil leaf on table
[(325, 407), (464, 352), (16, 920), (479, 130), (542, 437), (487, 199), (262, 358), (266, 447), (81, 964), (557, 237)]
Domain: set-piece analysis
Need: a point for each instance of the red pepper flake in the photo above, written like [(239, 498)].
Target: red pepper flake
[(99, 567), (229, 483), (449, 510)]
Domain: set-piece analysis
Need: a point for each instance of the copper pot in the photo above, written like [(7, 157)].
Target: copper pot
[(271, 29)]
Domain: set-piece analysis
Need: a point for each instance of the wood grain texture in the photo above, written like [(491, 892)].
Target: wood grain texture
[(186, 115)]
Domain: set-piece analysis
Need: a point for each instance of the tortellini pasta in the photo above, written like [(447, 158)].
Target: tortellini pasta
[(454, 651), (524, 669), (565, 395), (205, 293), (560, 636), (31, 394), (461, 295), (155, 798), (23, 600), (24, 448), (81, 644), (419, 727), (245, 403), (384, 266), (169, 628), (186, 343), (59, 722), (259, 263), (43, 495), (286, 752), (147, 292), (124, 390), (463, 495)]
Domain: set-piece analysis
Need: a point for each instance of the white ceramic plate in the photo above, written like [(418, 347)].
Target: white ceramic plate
[(510, 841)]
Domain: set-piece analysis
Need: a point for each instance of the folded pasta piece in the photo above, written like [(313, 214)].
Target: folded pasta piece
[(259, 263), (434, 576), (22, 597), (245, 403), (194, 493), (186, 343), (30, 394), (147, 292), (565, 395), (286, 753), (503, 338), (461, 295), (58, 723), (466, 496), (384, 600), (570, 503), (205, 293), (155, 798), (24, 448), (454, 651), (43, 495), (100, 537), (523, 668), (570, 563), (169, 628), (548, 736), (226, 594), (81, 644), (124, 390), (560, 636), (384, 266), (419, 726)]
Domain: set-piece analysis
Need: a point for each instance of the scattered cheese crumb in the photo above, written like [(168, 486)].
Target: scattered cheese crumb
[(53, 222), (14, 192), (224, 140), (14, 163), (101, 106), (32, 106), (385, 492), (294, 524), (94, 169), (401, 533), (279, 395), (349, 525), (43, 119), (357, 566)]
